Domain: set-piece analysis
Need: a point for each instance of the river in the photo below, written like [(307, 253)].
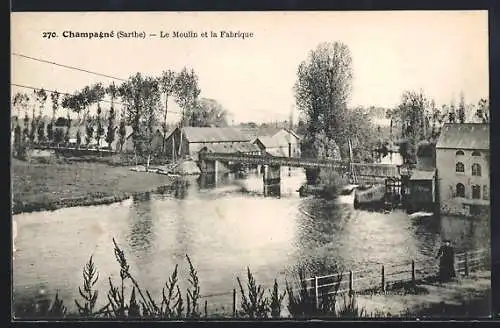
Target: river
[(224, 229)]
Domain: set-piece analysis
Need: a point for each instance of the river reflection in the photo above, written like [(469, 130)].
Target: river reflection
[(225, 225)]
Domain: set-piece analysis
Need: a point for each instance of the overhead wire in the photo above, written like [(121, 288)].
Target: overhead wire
[(100, 74)]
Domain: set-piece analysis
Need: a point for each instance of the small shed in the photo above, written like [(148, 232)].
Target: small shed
[(423, 189)]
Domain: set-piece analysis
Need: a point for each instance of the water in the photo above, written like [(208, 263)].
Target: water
[(224, 229)]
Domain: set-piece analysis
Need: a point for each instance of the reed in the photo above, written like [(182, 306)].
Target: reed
[(127, 300)]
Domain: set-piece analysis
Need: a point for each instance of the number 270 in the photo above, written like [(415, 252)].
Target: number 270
[(48, 35)]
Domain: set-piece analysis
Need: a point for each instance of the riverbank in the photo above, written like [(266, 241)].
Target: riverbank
[(39, 187), (466, 297)]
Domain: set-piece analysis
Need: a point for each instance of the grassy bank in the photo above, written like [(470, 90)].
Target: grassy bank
[(38, 187)]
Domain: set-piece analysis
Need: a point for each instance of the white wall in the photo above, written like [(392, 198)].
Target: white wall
[(446, 160)]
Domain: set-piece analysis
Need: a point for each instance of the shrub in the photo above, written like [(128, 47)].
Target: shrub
[(332, 183)]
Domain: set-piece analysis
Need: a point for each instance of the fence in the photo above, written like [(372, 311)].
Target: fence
[(375, 278), (383, 277)]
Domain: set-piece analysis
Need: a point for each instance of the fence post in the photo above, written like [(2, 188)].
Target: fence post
[(466, 264), (413, 272), (234, 302), (316, 293), (351, 283), (383, 279)]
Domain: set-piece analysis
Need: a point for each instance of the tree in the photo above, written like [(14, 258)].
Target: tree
[(54, 97), (110, 133), (483, 110), (75, 103), (461, 109), (142, 96), (167, 87), (33, 127), (26, 130), (122, 133), (41, 130), (89, 130), (322, 90), (112, 90), (452, 115), (301, 127), (186, 92), (17, 139), (41, 98), (68, 127), (21, 101), (78, 138), (100, 126), (412, 115), (206, 113), (58, 135), (87, 97)]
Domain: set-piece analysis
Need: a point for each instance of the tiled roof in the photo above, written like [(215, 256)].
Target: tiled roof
[(464, 136), (261, 131), (269, 142), (205, 134), (244, 147)]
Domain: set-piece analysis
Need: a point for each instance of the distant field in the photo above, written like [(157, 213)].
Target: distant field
[(49, 186)]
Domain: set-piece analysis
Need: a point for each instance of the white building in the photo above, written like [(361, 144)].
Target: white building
[(463, 168)]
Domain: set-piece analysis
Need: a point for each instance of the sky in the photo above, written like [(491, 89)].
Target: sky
[(442, 53)]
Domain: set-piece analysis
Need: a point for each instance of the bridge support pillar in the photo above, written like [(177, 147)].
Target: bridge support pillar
[(208, 166), (272, 180)]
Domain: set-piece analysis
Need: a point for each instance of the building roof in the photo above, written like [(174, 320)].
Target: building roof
[(261, 131), (209, 134), (243, 147), (269, 142), (465, 136), (280, 152), (422, 175)]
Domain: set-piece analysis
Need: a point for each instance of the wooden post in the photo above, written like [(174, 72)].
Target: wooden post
[(234, 302), (413, 272), (466, 264), (316, 294), (383, 279), (351, 283)]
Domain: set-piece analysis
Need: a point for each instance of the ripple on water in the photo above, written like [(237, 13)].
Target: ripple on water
[(223, 233)]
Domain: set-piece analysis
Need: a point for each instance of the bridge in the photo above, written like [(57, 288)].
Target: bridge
[(209, 160)]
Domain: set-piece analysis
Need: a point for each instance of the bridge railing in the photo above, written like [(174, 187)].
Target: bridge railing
[(360, 169)]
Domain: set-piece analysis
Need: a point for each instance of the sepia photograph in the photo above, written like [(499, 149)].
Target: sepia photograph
[(250, 165)]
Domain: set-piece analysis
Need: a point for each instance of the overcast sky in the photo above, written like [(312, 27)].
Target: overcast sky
[(442, 53)]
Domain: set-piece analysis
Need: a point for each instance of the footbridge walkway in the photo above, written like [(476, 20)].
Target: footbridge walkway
[(208, 164)]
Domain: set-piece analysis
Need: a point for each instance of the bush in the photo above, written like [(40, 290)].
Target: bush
[(332, 182)]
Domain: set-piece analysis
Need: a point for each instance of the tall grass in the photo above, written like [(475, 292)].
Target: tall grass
[(126, 299)]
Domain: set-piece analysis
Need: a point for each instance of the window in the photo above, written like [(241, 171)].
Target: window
[(476, 192), (486, 192), (460, 190), (460, 153), (476, 169), (476, 153), (459, 167)]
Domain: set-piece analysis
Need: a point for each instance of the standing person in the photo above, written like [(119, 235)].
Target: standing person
[(446, 255)]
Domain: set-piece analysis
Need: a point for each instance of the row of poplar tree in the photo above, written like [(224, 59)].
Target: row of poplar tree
[(144, 100)]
